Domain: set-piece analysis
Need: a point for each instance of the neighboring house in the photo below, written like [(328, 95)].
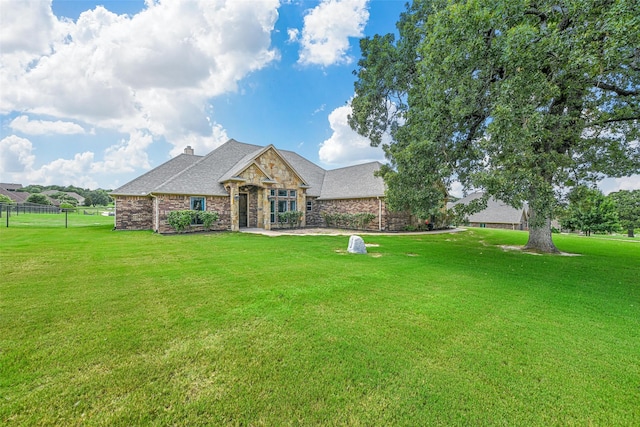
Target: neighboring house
[(248, 185), (76, 196), (497, 214), (10, 187), (16, 196)]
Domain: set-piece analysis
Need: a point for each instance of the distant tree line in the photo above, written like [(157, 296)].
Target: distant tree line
[(97, 197), (590, 211)]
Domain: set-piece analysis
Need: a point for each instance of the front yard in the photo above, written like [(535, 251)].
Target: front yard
[(127, 328)]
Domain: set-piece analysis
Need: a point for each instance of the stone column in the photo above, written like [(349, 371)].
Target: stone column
[(302, 205), (235, 214), (260, 208), (266, 209)]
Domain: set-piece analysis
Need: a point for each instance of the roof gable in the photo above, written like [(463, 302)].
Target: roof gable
[(269, 162)]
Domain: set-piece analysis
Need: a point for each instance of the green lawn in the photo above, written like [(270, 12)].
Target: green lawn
[(132, 328)]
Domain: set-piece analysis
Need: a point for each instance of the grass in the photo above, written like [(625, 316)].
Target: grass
[(131, 328)]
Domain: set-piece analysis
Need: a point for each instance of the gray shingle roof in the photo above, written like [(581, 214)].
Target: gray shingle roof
[(16, 196), (198, 175), (10, 187), (150, 181), (312, 174), (203, 178), (353, 182), (497, 212)]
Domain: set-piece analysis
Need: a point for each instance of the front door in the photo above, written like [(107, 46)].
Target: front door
[(242, 209)]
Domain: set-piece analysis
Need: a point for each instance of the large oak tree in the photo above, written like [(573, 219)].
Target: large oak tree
[(523, 99)]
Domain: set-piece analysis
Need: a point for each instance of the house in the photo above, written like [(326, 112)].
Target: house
[(497, 214), (10, 187), (76, 196), (15, 196), (248, 186)]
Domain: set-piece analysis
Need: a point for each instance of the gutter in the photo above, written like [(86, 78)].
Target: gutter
[(379, 213), (156, 212)]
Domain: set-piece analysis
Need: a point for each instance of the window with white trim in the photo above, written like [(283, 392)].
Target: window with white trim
[(281, 200)]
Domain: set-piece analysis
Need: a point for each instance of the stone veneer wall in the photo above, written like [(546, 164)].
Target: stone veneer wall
[(134, 213), (252, 208), (170, 202)]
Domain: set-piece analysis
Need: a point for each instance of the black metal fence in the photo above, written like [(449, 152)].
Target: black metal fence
[(24, 208), (14, 212)]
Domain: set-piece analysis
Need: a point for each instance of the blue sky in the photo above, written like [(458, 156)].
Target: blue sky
[(94, 94)]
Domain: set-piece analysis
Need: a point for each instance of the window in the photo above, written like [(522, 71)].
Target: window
[(273, 210), (282, 200), (197, 204), (282, 206), (309, 206)]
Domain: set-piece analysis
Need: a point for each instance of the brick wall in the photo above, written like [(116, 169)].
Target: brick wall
[(391, 221), (134, 213), (168, 203)]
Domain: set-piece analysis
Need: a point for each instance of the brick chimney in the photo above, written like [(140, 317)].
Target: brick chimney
[(188, 150)]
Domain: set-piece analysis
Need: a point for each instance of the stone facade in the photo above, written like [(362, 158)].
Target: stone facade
[(267, 172)]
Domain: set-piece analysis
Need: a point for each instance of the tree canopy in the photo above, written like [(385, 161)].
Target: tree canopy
[(39, 199), (590, 212), (522, 99), (628, 207)]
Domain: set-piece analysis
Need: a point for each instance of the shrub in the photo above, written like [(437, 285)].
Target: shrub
[(293, 218), (357, 221), (207, 218), (181, 220)]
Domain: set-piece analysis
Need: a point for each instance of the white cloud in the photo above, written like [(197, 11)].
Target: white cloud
[(125, 156), (327, 28), (27, 26), (151, 72), (611, 185), (345, 146), (201, 144), (42, 127), (17, 165), (15, 156), (18, 162), (293, 34)]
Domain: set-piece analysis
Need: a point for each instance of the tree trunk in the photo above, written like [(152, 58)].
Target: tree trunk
[(630, 232), (540, 235)]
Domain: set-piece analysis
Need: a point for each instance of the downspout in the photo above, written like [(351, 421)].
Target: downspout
[(155, 213), (379, 213)]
